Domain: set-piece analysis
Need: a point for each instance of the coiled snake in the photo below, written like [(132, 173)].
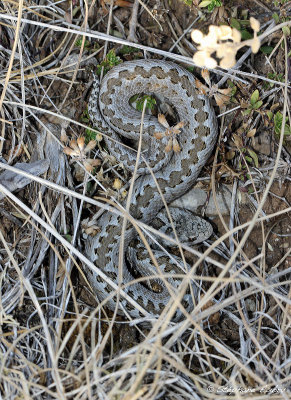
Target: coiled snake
[(175, 173)]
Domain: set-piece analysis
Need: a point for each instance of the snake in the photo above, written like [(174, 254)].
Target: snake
[(159, 172)]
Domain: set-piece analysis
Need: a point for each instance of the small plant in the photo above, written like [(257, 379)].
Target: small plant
[(128, 50), (190, 2), (252, 158), (240, 141), (85, 117), (279, 3), (242, 25), (266, 49), (275, 77), (151, 102), (109, 62), (282, 17), (254, 104), (78, 43), (278, 120), (89, 134), (210, 4)]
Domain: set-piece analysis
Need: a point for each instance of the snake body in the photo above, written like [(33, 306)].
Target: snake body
[(175, 173)]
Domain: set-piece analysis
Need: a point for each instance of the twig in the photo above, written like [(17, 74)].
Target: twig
[(132, 22), (186, 60)]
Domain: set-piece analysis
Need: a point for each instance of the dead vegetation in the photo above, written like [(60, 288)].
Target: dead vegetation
[(56, 342)]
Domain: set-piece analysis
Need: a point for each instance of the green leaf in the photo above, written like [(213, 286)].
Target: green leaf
[(254, 157), (276, 77), (116, 33), (269, 114), (278, 119), (255, 97), (276, 17), (234, 23), (150, 102), (78, 43), (249, 159), (205, 3), (286, 30), (128, 50), (89, 135), (68, 237), (246, 35), (257, 105), (213, 4), (247, 111), (266, 49)]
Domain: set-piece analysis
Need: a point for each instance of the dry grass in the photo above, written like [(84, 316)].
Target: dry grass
[(56, 345)]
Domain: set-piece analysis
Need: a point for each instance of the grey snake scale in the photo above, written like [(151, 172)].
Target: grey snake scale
[(111, 113)]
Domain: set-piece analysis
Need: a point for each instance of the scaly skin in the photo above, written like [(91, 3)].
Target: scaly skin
[(175, 173)]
